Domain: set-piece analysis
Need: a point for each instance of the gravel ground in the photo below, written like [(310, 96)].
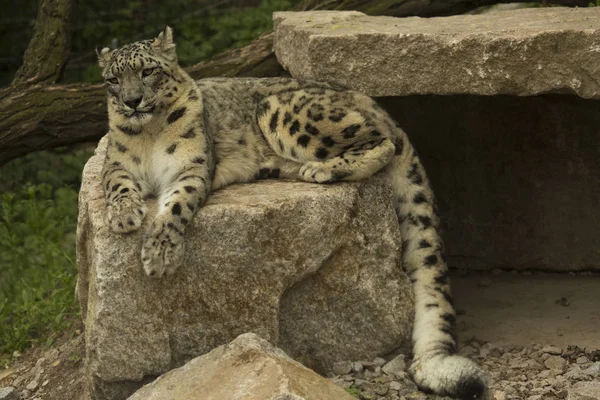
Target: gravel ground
[(533, 373)]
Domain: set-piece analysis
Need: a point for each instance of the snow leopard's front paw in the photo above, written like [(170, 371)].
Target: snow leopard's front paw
[(315, 171), (162, 251), (126, 214)]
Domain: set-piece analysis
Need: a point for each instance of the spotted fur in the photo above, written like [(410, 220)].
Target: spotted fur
[(178, 140)]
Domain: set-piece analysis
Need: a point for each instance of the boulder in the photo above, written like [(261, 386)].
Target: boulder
[(518, 52), (313, 269), (247, 368)]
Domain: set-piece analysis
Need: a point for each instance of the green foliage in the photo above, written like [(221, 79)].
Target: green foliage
[(596, 4), (38, 217), (356, 392), (203, 28)]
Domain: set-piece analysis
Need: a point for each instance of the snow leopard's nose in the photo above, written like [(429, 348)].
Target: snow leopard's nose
[(133, 103)]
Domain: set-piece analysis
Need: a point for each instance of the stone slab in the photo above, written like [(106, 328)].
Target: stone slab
[(247, 368), (314, 269), (518, 52)]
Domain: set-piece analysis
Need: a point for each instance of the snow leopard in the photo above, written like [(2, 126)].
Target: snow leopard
[(178, 140)]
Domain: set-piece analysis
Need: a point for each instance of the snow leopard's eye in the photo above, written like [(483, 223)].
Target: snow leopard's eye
[(147, 72), (113, 81)]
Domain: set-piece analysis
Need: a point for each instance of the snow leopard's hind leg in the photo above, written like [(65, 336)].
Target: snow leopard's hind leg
[(435, 365), (333, 135)]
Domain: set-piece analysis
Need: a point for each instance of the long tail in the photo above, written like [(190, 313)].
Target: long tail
[(435, 366)]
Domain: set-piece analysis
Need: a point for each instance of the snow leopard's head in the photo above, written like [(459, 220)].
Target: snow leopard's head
[(142, 78)]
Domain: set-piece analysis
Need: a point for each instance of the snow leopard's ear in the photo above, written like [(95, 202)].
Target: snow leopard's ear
[(103, 55), (164, 43)]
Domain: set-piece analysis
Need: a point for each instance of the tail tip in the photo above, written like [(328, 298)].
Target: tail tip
[(470, 388)]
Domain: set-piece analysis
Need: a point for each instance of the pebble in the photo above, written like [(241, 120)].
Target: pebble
[(342, 367), (556, 363), (593, 370), (552, 350), (395, 366), (32, 385), (357, 367), (8, 393)]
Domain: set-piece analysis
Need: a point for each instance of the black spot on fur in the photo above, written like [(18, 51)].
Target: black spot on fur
[(304, 140), (293, 153), (280, 143), (414, 175), (190, 134), (430, 260), (328, 141), (115, 187), (275, 173), (124, 190), (423, 244), (432, 305), (419, 198), (193, 96), (190, 189), (136, 160), (175, 115), (450, 319), (294, 128), (350, 131), (263, 108), (315, 112), (287, 118), (448, 297), (442, 279), (176, 210), (425, 221), (171, 148), (375, 133), (311, 129), (264, 173), (190, 207), (198, 160), (399, 147), (120, 147), (273, 122), (129, 131), (337, 114), (322, 153)]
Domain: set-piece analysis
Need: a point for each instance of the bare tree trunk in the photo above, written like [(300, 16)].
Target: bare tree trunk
[(48, 50), (39, 117)]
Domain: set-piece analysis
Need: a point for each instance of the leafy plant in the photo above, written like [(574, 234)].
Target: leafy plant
[(38, 217)]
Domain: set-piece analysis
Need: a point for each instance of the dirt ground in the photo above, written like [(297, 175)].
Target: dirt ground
[(496, 310)]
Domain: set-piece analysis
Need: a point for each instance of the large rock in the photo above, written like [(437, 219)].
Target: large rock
[(247, 368), (518, 52), (314, 269)]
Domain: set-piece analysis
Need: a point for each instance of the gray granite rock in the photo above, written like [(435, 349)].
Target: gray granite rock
[(8, 393), (519, 52), (314, 269), (247, 368)]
